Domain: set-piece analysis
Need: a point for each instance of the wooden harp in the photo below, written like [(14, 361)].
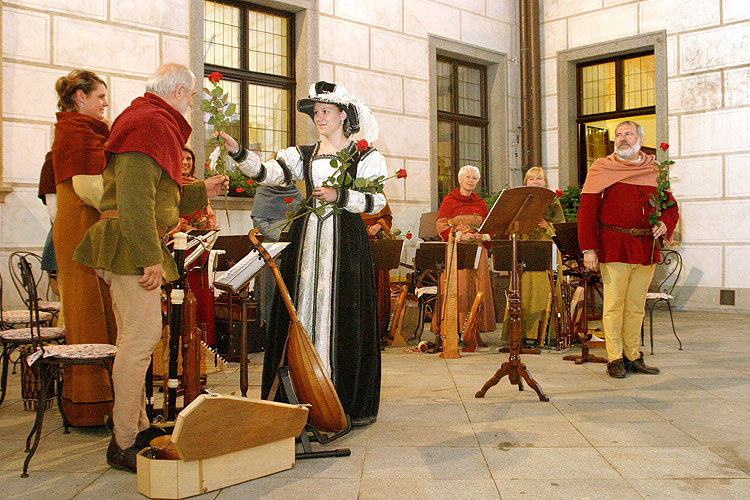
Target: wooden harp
[(449, 313), (397, 320), (312, 384), (471, 326)]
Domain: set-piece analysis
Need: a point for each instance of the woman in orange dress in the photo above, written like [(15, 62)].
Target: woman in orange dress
[(375, 223), (78, 162)]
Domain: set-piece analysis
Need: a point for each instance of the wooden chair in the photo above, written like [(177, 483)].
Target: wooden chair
[(51, 359), (425, 279), (666, 276)]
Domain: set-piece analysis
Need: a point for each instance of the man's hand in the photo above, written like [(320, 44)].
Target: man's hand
[(151, 278), (216, 185), (659, 229), (591, 260)]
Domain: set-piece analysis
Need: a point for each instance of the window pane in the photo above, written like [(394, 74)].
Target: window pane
[(638, 73), (470, 146), (444, 89), (446, 169), (268, 43), (469, 91), (598, 89), (232, 91), (221, 34), (268, 124)]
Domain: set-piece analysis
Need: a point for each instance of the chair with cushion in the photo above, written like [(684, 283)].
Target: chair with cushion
[(666, 276), (51, 359), (35, 260)]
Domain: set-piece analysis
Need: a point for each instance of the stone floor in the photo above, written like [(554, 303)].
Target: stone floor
[(683, 434)]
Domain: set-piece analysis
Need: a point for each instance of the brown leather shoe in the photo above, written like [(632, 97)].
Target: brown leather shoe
[(121, 459), (616, 368), (638, 366)]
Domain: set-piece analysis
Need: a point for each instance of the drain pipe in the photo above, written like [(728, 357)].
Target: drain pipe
[(531, 81)]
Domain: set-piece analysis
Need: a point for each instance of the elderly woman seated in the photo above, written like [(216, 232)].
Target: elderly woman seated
[(462, 210)]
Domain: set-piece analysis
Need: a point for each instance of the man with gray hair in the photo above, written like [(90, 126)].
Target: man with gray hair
[(143, 198), (616, 237)]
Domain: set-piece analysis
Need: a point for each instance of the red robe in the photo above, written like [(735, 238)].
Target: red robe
[(455, 204)]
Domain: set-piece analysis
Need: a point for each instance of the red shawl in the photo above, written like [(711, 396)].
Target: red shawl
[(152, 127), (47, 179), (455, 203), (612, 169), (78, 148)]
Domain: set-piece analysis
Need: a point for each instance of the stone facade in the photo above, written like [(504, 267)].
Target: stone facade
[(382, 51), (708, 114)]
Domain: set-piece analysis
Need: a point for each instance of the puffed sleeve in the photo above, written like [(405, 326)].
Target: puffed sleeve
[(369, 167), (284, 169)]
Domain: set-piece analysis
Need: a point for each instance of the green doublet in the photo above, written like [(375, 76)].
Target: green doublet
[(148, 203)]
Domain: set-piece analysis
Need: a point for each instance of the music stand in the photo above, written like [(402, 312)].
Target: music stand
[(386, 255), (566, 239), (516, 211), (532, 256)]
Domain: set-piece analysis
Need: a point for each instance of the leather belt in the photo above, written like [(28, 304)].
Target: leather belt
[(113, 214), (631, 231)]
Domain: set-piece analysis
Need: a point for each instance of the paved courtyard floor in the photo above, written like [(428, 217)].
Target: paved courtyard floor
[(683, 434)]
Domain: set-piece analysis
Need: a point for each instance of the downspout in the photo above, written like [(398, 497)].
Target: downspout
[(531, 81)]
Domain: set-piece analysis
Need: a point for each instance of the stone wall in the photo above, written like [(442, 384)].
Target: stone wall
[(123, 41), (708, 108)]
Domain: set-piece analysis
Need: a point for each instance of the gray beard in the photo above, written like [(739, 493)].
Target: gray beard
[(628, 152)]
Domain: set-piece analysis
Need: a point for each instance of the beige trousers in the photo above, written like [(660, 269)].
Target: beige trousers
[(625, 287), (138, 315)]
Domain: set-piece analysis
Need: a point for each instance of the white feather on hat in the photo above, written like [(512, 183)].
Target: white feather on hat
[(330, 93)]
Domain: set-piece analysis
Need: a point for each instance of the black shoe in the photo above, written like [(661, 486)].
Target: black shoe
[(638, 366), (143, 439), (616, 368), (121, 459)]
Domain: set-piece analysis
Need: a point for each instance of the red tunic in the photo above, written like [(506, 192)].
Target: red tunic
[(626, 206), (455, 204)]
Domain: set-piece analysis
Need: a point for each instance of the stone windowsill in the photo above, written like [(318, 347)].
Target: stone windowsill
[(234, 202)]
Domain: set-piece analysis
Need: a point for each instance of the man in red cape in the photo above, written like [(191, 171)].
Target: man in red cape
[(616, 237), (143, 198)]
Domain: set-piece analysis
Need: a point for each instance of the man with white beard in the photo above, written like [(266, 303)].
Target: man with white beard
[(616, 237)]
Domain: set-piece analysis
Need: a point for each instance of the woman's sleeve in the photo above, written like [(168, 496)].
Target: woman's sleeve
[(284, 169), (370, 167)]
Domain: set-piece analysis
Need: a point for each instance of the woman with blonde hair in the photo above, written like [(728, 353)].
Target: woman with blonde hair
[(535, 284), (78, 162)]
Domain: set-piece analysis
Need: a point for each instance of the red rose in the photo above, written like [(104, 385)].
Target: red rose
[(362, 145), (206, 164), (401, 174), (239, 190), (558, 193), (249, 182), (663, 146), (408, 235), (288, 200), (215, 77)]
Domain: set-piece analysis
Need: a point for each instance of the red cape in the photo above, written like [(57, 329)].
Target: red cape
[(79, 145), (152, 127), (46, 179), (455, 203)]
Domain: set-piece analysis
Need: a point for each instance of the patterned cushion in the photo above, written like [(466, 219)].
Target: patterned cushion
[(24, 334), (75, 351), (47, 305), (16, 316), (658, 295)]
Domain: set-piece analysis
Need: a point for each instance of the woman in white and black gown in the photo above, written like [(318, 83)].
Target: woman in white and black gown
[(328, 266)]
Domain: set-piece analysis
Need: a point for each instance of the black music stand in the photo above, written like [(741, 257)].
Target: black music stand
[(431, 255), (566, 239), (532, 256), (386, 255), (516, 211)]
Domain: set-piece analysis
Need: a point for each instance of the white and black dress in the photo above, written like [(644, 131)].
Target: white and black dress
[(329, 273)]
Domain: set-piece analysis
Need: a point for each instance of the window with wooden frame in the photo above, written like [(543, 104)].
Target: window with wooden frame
[(613, 89), (462, 121), (253, 48)]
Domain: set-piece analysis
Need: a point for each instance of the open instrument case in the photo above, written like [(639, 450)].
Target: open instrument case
[(221, 441)]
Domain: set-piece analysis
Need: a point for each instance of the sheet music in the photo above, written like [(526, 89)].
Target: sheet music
[(478, 255), (242, 272), (206, 241)]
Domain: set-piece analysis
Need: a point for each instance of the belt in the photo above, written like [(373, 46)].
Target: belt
[(630, 231), (113, 214)]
